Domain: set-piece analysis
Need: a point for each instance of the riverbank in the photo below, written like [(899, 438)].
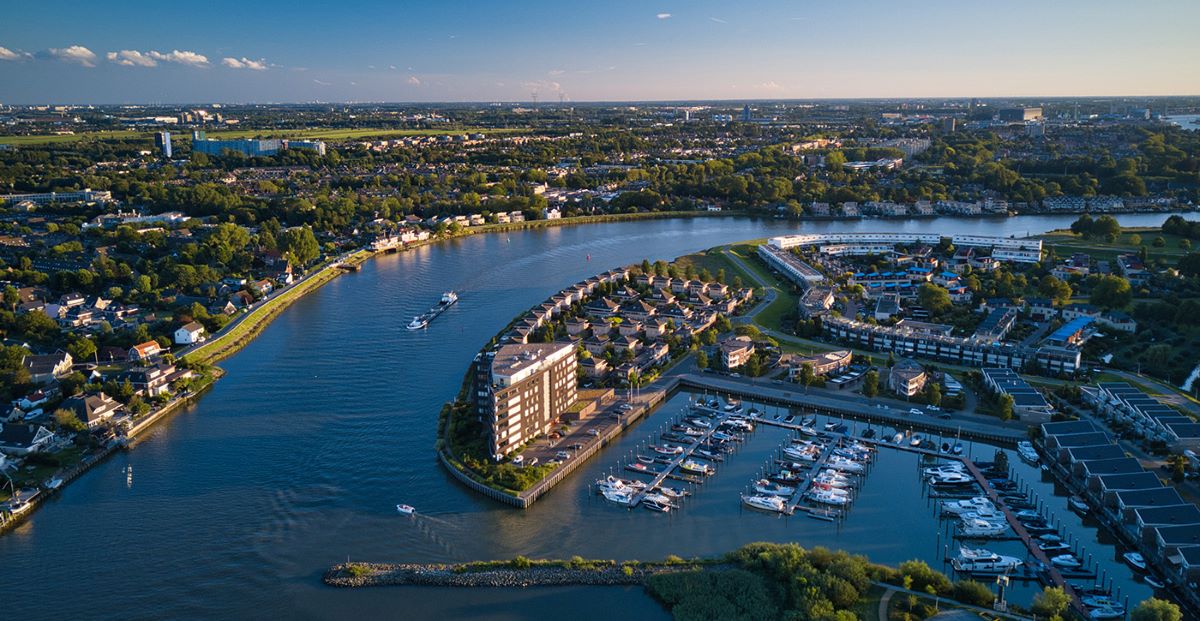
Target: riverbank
[(519, 572)]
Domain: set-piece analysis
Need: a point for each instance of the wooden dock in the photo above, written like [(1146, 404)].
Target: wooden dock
[(668, 471), (806, 484)]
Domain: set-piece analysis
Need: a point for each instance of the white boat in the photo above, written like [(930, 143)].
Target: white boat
[(958, 448), (800, 454), (953, 468), (765, 503), (950, 479), (448, 298), (1107, 613), (981, 528), (54, 483), (621, 497), (983, 561), (829, 497), (418, 323), (1077, 504), (405, 509), (916, 440), (1154, 582), (994, 515), (1027, 452), (808, 431), (1066, 561), (1135, 560), (692, 466), (898, 438), (843, 464), (657, 502), (1099, 601), (667, 449), (967, 505), (767, 488)]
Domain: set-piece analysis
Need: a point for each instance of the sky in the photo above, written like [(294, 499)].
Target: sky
[(124, 51)]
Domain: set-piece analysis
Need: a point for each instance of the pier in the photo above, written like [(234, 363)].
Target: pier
[(806, 484), (668, 471)]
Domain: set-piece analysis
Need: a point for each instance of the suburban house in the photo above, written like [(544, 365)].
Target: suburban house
[(189, 334), (92, 409), (48, 367), (24, 439), (143, 351), (153, 379)]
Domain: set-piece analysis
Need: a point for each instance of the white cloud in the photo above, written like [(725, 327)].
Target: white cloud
[(131, 58), (555, 72), (182, 57), (74, 54), (392, 67), (7, 54), (322, 83), (663, 16), (718, 20), (414, 80), (769, 85), (244, 63)]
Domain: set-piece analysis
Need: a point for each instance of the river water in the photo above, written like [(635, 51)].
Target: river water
[(297, 458)]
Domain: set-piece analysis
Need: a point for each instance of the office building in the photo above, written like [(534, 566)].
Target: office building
[(521, 389), (253, 148), (746, 116), (41, 198), (1019, 115), (162, 140)]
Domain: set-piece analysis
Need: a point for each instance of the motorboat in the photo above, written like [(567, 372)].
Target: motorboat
[(1027, 514), (1099, 601), (945, 448), (983, 561), (994, 515), (830, 425), (786, 477), (1135, 560), (1053, 546), (1154, 582), (808, 431), (916, 440), (1026, 451), (1066, 561), (898, 438), (1078, 504), (868, 433), (673, 492), (829, 497), (692, 466), (843, 464), (765, 503), (953, 468), (621, 497), (667, 449), (640, 467), (645, 460), (1107, 613), (981, 528), (967, 505), (418, 323), (657, 502), (405, 509), (800, 454), (808, 420), (957, 449), (951, 479), (767, 488)]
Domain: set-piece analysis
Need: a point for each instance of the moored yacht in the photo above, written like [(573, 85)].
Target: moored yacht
[(767, 488), (1027, 452), (983, 561), (765, 503)]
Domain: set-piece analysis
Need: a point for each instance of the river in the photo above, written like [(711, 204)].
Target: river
[(296, 458)]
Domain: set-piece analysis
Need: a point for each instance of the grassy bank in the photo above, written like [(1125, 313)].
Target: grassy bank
[(254, 322)]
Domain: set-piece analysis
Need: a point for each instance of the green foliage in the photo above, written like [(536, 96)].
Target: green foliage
[(66, 419), (357, 570), (934, 299), (1110, 291), (870, 386), (1155, 609), (973, 593), (734, 594), (1051, 602)]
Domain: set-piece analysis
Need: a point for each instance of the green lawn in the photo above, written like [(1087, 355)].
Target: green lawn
[(714, 260), (1065, 243), (55, 139)]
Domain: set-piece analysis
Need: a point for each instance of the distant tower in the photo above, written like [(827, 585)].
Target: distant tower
[(746, 114), (687, 115), (162, 140)]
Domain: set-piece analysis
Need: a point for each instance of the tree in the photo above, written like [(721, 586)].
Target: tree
[(701, 359), (870, 386), (1135, 240), (301, 245), (933, 393), (1051, 602), (1155, 609), (66, 419), (807, 377), (1111, 292), (81, 349), (1055, 289), (1189, 264), (72, 383), (1006, 407), (12, 297), (934, 299)]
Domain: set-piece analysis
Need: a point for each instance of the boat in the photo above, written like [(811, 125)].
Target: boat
[(1026, 451), (868, 433), (967, 505), (673, 492), (1154, 582), (54, 483), (945, 448), (1135, 560), (405, 509), (618, 496), (667, 449), (1066, 561), (1099, 601), (765, 503), (916, 440), (824, 516), (767, 488), (657, 502), (692, 466), (808, 421), (955, 468), (1077, 504), (1107, 613), (981, 528), (448, 299), (950, 480), (645, 460), (829, 497), (637, 466), (993, 515), (957, 449), (808, 431), (843, 464), (1053, 546), (830, 425), (983, 561), (898, 438)]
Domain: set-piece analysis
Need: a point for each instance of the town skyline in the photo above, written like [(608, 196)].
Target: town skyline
[(366, 52)]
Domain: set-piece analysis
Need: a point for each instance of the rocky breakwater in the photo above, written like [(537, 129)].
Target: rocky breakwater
[(501, 574)]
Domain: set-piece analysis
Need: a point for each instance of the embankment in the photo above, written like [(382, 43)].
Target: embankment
[(495, 574)]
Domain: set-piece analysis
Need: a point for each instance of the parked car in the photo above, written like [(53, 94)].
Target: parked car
[(626, 406), (519, 460), (915, 412), (562, 455)]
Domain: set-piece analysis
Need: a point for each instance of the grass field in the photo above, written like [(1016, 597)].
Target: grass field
[(1065, 243), (714, 260), (319, 134)]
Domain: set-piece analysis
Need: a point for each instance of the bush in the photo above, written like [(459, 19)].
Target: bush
[(973, 593), (520, 562), (357, 570)]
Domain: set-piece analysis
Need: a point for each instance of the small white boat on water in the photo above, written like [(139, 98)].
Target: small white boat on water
[(1117, 612), (405, 509), (968, 505), (767, 488), (418, 323), (1135, 560), (1066, 561), (829, 497), (979, 560), (1027, 452), (773, 504), (981, 528)]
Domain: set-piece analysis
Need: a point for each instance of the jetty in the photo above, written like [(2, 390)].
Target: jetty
[(668, 471)]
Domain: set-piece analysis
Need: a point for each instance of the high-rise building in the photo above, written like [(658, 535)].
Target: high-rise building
[(162, 140), (253, 148), (948, 125), (521, 389), (746, 117)]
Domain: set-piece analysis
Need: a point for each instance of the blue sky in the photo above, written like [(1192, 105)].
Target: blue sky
[(358, 50)]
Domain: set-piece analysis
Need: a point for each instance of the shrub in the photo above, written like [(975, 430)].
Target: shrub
[(973, 593), (520, 562), (357, 570)]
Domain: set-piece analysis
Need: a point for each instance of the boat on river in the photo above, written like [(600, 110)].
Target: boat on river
[(421, 321), (980, 561)]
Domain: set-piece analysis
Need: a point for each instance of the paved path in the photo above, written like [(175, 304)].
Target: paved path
[(992, 614), (884, 603)]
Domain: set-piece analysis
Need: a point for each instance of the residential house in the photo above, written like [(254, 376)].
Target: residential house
[(189, 334), (907, 377), (92, 409), (144, 351), (48, 367), (22, 440)]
